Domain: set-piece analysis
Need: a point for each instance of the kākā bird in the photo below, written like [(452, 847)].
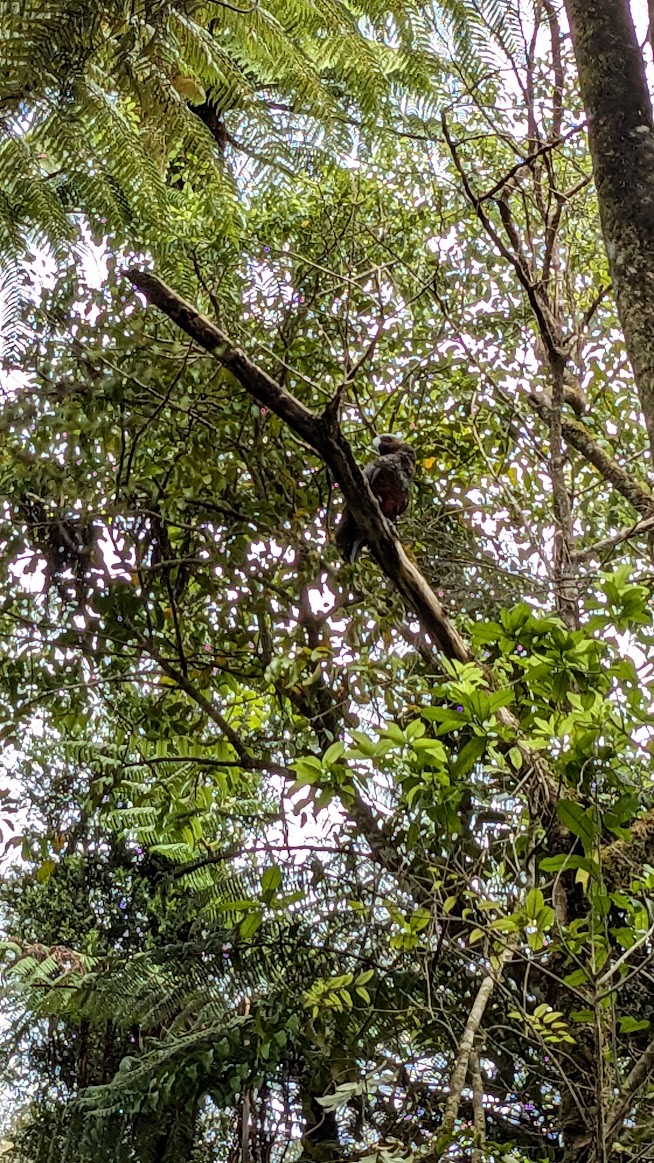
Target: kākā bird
[(389, 477)]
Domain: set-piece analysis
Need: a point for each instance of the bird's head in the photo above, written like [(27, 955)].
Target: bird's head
[(387, 443)]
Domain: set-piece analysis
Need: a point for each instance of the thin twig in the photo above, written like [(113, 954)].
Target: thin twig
[(528, 162)]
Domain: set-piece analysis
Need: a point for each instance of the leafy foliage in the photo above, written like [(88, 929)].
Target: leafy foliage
[(269, 851)]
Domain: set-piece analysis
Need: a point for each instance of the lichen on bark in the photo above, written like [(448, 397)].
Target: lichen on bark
[(621, 135)]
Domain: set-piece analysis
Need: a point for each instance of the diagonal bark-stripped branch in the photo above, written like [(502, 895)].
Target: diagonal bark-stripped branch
[(322, 433), (624, 1102)]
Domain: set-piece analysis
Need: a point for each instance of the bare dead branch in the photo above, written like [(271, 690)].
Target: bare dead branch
[(638, 529), (590, 311), (544, 320)]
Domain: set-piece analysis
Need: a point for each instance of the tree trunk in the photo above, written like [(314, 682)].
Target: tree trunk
[(621, 134), (320, 1141)]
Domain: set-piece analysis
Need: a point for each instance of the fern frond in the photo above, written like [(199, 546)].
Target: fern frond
[(13, 333), (93, 94)]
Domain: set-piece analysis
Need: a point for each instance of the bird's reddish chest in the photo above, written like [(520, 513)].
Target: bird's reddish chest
[(391, 485)]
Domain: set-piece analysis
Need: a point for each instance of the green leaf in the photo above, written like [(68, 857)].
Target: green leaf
[(250, 924), (394, 733), (271, 879), (333, 753), (577, 977), (469, 754), (534, 902), (515, 758), (578, 821), (626, 807), (414, 730), (365, 977), (430, 747), (309, 770), (630, 1025), (365, 745), (582, 1016), (44, 873), (552, 1016), (504, 924)]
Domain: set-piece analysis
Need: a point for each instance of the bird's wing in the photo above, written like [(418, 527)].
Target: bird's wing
[(390, 481), (372, 470)]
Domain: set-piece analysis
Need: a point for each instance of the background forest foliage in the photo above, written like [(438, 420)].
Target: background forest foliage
[(301, 865)]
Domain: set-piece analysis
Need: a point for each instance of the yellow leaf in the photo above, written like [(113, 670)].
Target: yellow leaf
[(188, 87), (429, 462), (45, 871)]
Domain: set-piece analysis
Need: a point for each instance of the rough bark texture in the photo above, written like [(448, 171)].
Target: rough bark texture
[(621, 135), (624, 859), (622, 141), (478, 1116)]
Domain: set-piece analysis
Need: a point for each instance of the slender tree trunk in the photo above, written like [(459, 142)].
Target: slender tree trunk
[(320, 1141), (621, 134), (567, 602), (478, 1113)]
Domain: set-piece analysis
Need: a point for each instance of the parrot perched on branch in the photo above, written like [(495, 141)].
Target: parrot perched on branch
[(389, 477)]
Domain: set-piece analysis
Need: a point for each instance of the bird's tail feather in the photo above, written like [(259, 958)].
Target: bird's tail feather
[(347, 537)]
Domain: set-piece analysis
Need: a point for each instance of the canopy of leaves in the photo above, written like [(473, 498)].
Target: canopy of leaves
[(267, 852)]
